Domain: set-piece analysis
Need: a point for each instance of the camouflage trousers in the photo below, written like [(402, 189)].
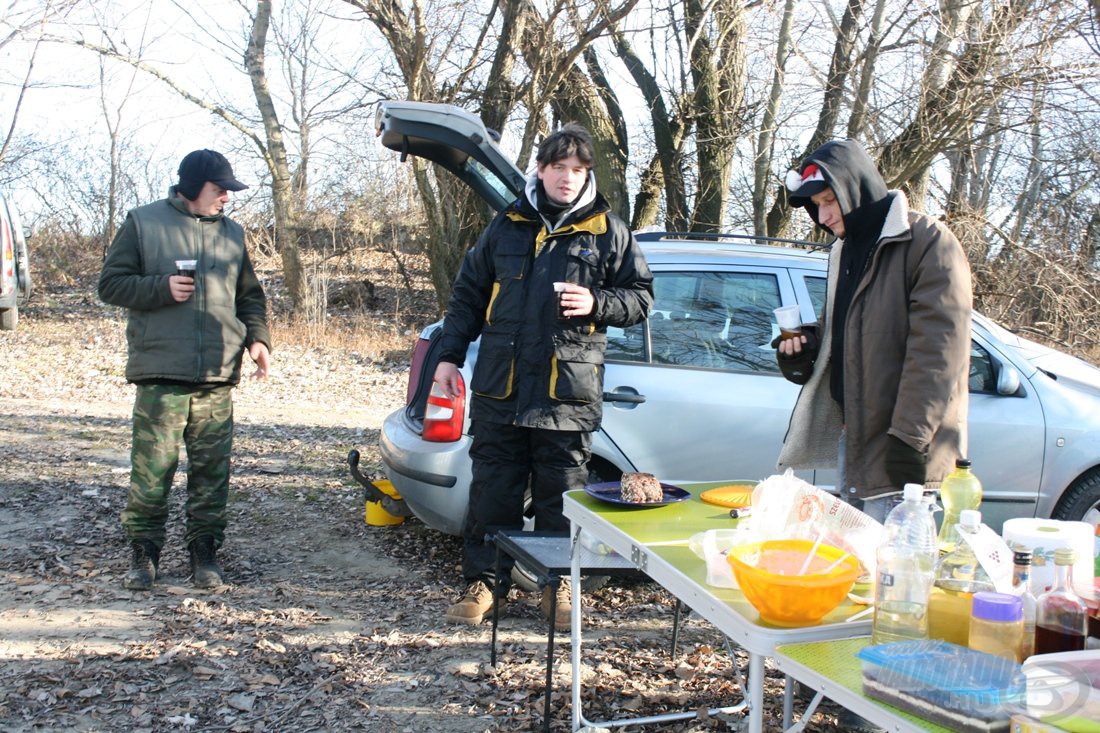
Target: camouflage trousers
[(164, 414)]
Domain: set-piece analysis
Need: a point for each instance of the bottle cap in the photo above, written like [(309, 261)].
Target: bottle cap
[(991, 606), (1065, 556), (970, 518), (1021, 557), (912, 492), (962, 463)]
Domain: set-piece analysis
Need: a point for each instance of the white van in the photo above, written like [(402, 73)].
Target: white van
[(15, 273)]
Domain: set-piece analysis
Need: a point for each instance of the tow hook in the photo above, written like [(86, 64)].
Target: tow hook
[(396, 507)]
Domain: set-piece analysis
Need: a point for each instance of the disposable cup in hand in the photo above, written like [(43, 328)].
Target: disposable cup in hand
[(186, 268), (790, 321), (559, 289)]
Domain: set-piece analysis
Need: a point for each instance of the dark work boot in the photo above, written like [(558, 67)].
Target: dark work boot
[(205, 572), (144, 560)]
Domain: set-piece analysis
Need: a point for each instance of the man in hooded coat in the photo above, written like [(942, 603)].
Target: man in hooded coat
[(885, 372)]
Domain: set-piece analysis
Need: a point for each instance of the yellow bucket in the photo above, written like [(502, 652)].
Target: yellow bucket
[(376, 515)]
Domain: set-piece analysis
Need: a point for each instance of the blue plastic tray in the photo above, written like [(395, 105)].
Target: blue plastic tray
[(978, 685)]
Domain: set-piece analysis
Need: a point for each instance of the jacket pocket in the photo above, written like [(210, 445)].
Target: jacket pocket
[(495, 370), (576, 373), (509, 263), (510, 259), (583, 263)]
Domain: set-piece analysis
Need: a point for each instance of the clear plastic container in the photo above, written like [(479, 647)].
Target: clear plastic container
[(904, 563), (1064, 690), (997, 625), (959, 490), (958, 577)]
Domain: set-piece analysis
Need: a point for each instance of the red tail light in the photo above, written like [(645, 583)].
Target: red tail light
[(444, 416)]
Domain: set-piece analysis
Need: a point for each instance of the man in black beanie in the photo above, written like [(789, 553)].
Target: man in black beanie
[(885, 373), (195, 306)]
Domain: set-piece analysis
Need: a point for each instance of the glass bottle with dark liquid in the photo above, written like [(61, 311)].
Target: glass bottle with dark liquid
[(1061, 620)]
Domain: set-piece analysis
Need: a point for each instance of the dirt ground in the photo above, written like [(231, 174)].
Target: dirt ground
[(328, 623)]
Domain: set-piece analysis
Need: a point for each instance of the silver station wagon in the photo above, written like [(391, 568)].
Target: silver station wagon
[(694, 394)]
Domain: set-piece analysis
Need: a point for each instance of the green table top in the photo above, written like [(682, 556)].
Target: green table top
[(836, 661), (674, 524)]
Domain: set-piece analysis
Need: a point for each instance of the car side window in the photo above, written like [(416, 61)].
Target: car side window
[(983, 377), (816, 287), (714, 320), (626, 344)]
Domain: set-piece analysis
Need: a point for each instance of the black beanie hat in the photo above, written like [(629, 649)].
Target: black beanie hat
[(200, 166)]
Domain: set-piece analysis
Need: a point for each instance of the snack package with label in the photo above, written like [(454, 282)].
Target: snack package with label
[(786, 507)]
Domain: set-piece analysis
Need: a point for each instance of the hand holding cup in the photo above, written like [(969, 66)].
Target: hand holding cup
[(182, 284), (573, 300), (790, 321)]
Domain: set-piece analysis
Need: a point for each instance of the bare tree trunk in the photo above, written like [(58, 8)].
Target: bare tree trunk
[(860, 104), (718, 73), (669, 174), (113, 126), (647, 204), (762, 161), (500, 94), (953, 19), (1028, 197), (282, 195)]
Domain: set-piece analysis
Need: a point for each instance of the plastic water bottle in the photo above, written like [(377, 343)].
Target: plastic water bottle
[(959, 491), (906, 560)]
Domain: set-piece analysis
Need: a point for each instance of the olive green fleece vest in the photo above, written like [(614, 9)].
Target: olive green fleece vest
[(200, 340)]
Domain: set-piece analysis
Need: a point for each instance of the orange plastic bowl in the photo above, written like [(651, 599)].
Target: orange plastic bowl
[(768, 575)]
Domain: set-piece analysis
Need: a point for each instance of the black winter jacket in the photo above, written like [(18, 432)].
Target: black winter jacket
[(532, 369)]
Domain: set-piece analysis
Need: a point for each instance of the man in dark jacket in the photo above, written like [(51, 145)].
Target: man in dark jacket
[(886, 373), (544, 281), (186, 337)]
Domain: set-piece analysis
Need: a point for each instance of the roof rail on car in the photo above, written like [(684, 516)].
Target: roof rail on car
[(719, 238)]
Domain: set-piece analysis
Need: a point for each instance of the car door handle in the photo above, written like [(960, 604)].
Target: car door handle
[(633, 399)]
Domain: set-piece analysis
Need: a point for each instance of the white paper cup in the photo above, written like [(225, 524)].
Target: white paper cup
[(559, 288), (790, 321)]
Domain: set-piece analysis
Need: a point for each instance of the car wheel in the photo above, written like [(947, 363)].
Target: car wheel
[(1081, 502), (9, 318)]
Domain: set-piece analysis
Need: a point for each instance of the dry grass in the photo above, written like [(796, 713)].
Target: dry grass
[(359, 333)]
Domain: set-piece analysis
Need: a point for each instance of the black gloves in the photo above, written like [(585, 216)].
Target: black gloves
[(904, 463), (800, 366)]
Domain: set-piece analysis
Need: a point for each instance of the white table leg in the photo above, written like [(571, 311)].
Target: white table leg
[(756, 693), (575, 626)]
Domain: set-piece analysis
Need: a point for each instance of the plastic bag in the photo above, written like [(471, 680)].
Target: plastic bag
[(786, 507)]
